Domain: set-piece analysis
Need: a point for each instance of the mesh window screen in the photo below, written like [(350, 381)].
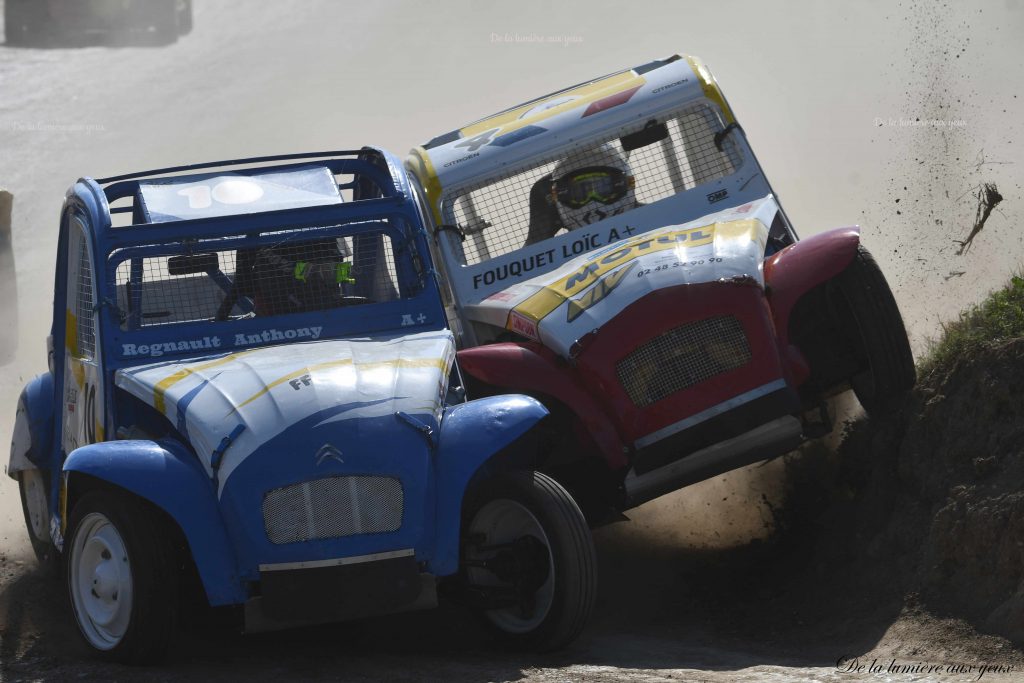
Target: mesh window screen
[(500, 215), (683, 357), (333, 508), (84, 303), (285, 276)]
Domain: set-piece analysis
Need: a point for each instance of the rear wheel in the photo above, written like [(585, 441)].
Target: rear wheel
[(528, 559), (880, 335), (122, 577)]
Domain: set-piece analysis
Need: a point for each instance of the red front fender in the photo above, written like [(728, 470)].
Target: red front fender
[(532, 369), (801, 267)]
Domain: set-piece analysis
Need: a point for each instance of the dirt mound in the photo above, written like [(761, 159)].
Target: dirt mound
[(927, 504)]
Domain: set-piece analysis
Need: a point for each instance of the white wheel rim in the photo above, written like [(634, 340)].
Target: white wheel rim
[(35, 501), (503, 521), (100, 581)]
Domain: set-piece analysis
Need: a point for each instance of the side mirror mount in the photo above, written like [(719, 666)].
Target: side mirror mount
[(651, 133), (193, 264)]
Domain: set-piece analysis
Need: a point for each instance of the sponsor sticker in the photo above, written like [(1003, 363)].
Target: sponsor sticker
[(717, 196), (520, 324), (159, 348)]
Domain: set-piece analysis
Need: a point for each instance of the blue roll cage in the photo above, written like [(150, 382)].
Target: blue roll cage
[(89, 200)]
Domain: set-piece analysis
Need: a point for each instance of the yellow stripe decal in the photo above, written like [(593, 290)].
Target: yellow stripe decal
[(167, 382), (710, 87), (70, 332), (77, 371), (424, 170), (510, 121), (543, 302)]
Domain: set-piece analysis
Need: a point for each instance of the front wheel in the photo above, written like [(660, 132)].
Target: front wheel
[(121, 576), (528, 559), (880, 335)]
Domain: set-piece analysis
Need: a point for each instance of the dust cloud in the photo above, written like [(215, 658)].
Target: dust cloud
[(941, 138), (950, 138)]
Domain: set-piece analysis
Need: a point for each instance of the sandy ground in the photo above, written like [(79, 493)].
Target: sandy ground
[(881, 114)]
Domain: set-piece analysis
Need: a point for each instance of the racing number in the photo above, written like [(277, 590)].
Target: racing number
[(477, 141), (89, 416), (233, 191)]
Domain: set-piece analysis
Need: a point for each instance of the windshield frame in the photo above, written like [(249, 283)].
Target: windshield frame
[(470, 283), (416, 309)]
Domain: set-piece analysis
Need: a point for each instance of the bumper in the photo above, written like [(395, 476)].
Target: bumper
[(714, 425), (770, 440), (336, 590), (294, 501)]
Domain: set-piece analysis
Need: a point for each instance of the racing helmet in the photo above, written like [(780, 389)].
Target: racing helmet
[(592, 186)]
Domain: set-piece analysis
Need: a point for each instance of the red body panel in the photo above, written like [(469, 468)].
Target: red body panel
[(590, 385), (801, 267), (531, 368), (661, 311)]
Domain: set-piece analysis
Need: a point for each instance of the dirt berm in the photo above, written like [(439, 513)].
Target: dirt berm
[(926, 504)]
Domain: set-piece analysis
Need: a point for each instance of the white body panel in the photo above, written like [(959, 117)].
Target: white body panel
[(561, 306), (565, 122), (21, 443), (271, 388), (561, 120), (225, 194)]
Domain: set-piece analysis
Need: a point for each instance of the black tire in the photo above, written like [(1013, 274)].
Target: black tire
[(569, 579), (145, 628), (38, 528), (880, 335)]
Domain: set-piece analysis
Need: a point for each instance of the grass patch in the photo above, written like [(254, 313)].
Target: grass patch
[(998, 318)]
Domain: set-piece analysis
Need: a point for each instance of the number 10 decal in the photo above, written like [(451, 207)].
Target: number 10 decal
[(89, 414), (234, 191)]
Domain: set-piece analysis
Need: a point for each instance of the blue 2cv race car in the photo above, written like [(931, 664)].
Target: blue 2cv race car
[(257, 382)]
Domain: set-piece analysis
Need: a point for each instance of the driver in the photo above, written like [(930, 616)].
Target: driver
[(583, 189), (296, 278)]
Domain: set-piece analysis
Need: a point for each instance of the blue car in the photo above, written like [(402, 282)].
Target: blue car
[(252, 381)]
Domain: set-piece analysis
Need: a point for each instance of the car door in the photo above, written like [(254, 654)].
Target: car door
[(83, 389)]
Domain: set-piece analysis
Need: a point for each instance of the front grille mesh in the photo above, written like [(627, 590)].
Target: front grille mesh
[(332, 508), (682, 357)]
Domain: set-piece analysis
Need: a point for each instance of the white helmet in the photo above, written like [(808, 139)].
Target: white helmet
[(592, 186)]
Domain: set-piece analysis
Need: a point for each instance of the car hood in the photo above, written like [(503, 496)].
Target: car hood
[(561, 306), (266, 390)]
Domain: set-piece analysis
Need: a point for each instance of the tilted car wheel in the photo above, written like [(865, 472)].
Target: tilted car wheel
[(122, 577), (528, 559), (880, 334), (34, 487)]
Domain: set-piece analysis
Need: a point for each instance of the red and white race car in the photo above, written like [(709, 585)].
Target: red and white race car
[(615, 250)]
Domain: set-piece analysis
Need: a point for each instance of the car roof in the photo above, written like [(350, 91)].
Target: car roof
[(257, 185), (496, 144)]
